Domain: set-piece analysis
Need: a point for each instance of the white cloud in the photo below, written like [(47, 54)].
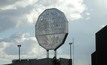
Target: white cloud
[(20, 12), (32, 16), (29, 47), (72, 8), (17, 3)]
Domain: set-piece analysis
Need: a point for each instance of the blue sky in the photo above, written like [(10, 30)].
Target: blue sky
[(17, 26)]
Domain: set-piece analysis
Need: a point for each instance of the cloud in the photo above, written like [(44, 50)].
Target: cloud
[(29, 47), (14, 18), (6, 2), (98, 14), (10, 4), (72, 9), (17, 13)]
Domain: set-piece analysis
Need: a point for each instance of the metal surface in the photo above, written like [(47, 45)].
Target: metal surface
[(51, 29)]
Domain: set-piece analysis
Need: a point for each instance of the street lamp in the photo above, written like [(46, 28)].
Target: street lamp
[(70, 54), (19, 51), (70, 49)]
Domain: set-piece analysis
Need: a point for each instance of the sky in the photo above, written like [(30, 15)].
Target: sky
[(17, 26)]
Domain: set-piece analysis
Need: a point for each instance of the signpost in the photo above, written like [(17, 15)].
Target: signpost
[(51, 29)]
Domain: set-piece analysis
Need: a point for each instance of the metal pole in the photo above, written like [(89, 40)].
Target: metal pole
[(47, 53), (55, 54), (70, 50), (70, 54), (19, 51), (73, 52), (47, 57)]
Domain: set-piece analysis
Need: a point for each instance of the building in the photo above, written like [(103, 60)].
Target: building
[(44, 61), (100, 55), (93, 58)]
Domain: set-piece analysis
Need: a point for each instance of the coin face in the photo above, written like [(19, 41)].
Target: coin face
[(51, 28)]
